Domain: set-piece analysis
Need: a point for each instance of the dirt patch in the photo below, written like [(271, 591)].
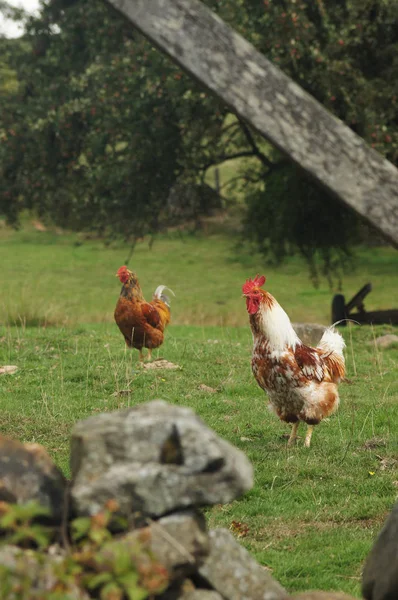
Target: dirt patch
[(278, 530), (206, 388), (373, 443), (160, 363), (8, 369)]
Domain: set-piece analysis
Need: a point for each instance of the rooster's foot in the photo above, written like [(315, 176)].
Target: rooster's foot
[(308, 435), (293, 436)]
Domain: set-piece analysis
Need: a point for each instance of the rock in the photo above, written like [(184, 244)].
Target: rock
[(230, 570), (187, 591), (201, 595), (8, 370), (386, 341), (309, 333), (153, 459), (321, 596), (206, 388), (25, 570), (28, 473), (380, 575), (160, 363), (178, 541)]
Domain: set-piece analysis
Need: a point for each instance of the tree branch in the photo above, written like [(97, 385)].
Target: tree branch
[(222, 159), (256, 150), (220, 134)]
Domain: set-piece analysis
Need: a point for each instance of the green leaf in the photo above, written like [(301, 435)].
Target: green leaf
[(110, 590), (137, 593), (8, 520), (80, 527), (98, 536), (129, 580), (41, 535), (99, 579)]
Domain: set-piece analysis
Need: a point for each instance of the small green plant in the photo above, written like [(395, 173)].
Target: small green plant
[(100, 564), (18, 526), (119, 569)]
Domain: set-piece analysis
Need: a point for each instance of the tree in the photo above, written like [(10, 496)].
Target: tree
[(102, 125), (344, 53)]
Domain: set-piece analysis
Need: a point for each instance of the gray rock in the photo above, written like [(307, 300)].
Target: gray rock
[(27, 473), (386, 341), (309, 333), (36, 575), (153, 459), (8, 370), (178, 541), (380, 575), (230, 570), (189, 593), (201, 595)]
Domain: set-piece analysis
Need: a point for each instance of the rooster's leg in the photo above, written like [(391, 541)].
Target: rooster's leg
[(308, 435), (149, 357), (293, 435), (141, 356)]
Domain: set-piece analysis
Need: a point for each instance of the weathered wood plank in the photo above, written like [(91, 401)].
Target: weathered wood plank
[(202, 44)]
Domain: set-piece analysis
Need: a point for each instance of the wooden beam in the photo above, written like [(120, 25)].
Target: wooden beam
[(204, 46)]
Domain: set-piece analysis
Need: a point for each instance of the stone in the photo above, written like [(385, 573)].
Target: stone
[(230, 570), (160, 363), (153, 459), (182, 593), (206, 388), (27, 473), (309, 333), (380, 574), (8, 369), (38, 574), (178, 541), (386, 341), (321, 596), (201, 595)]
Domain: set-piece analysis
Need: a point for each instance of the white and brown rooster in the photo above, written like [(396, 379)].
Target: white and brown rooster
[(301, 381)]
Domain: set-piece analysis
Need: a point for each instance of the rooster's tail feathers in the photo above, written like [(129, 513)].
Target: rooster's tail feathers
[(158, 294), (332, 341)]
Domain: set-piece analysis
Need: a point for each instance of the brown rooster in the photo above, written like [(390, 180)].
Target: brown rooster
[(301, 381), (141, 323)]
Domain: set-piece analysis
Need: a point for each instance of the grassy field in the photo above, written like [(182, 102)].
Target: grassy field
[(312, 514), (54, 279)]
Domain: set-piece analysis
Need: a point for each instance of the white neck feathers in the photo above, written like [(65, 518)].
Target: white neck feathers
[(276, 327)]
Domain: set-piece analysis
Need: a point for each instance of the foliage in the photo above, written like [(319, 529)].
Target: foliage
[(97, 564), (18, 526), (320, 229), (101, 148), (101, 126), (344, 53)]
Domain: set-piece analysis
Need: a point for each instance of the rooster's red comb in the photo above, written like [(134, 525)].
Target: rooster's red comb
[(250, 284)]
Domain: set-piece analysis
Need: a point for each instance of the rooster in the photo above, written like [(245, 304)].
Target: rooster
[(141, 323), (301, 381)]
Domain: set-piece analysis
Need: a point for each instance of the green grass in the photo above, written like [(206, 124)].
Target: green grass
[(47, 279), (312, 514)]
